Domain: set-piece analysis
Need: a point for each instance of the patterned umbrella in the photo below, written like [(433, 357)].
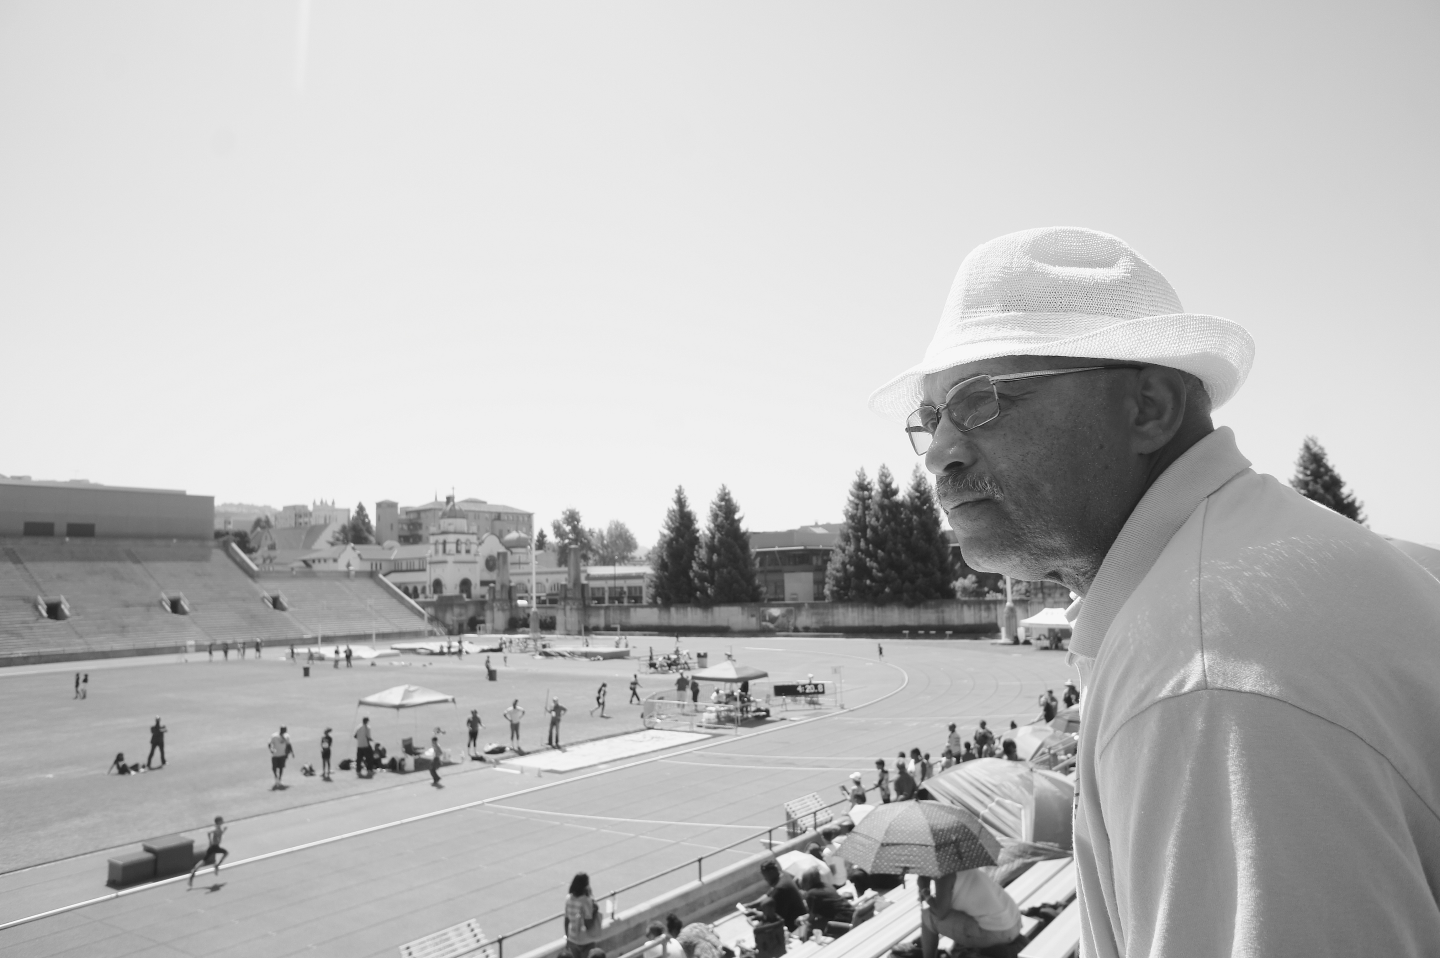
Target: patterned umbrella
[(924, 838)]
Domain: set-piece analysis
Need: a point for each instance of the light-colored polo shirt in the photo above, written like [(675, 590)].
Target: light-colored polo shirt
[(978, 895), (362, 736), (279, 745), (1259, 763)]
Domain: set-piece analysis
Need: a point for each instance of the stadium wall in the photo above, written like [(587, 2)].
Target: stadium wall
[(84, 510), (968, 616)]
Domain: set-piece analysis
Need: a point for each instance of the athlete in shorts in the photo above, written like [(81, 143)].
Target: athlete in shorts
[(213, 850), (513, 715), (280, 750), (326, 742), (474, 725)]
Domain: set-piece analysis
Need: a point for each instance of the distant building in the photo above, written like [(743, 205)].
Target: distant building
[(293, 517), (618, 584), (412, 525), (278, 547), (324, 513), (80, 509), (791, 564)]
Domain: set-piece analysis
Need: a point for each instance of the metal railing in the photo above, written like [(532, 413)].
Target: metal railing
[(496, 946)]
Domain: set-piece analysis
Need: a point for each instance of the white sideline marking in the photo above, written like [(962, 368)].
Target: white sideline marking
[(604, 750), (125, 892)]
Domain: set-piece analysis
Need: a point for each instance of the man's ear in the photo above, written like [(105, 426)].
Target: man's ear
[(1159, 408)]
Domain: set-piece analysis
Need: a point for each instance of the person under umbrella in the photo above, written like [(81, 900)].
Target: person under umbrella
[(942, 842)]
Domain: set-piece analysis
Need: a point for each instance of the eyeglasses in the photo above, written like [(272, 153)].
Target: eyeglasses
[(974, 402)]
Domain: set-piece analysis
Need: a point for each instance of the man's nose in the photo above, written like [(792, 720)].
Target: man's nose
[(950, 450)]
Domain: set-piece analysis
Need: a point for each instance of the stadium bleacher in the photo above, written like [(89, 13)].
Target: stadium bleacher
[(124, 596)]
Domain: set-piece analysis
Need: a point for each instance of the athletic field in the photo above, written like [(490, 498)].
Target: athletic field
[(357, 867)]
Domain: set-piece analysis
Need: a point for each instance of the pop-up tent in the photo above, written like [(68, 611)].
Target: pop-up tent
[(1047, 619), (728, 671), (406, 697)]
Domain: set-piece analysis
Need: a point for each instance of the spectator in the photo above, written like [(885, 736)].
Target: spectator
[(280, 750), (665, 945), (694, 692), (157, 741), (953, 740), (1008, 751), (556, 712), (830, 855), (1072, 694), (1049, 705), (968, 755), (823, 904), (916, 766), (882, 781), (970, 909), (349, 655), (947, 759), (435, 757), (927, 767), (698, 940), (363, 749), (582, 917), (904, 784), (854, 790), (783, 898), (984, 740)]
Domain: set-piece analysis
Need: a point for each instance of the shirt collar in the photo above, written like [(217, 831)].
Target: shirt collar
[(1166, 505)]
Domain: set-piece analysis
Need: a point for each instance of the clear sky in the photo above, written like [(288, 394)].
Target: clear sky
[(576, 254)]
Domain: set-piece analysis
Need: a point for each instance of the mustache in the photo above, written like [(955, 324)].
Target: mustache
[(954, 487)]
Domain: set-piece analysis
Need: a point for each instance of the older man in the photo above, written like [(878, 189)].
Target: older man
[(1262, 690)]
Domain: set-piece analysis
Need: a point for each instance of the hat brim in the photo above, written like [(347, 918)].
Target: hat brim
[(1217, 351)]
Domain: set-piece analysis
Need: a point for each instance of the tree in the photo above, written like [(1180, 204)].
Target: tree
[(1316, 479), (541, 541), (570, 533), (261, 522), (724, 565), (929, 575), (240, 537), (851, 568), (889, 542), (359, 530), (613, 544), (673, 558)]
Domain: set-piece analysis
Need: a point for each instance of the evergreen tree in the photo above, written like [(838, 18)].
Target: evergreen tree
[(889, 543), (359, 530), (1316, 479), (848, 576), (673, 558), (724, 565), (541, 541), (930, 574), (570, 533)]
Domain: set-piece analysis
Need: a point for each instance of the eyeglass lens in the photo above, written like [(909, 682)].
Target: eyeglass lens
[(974, 405)]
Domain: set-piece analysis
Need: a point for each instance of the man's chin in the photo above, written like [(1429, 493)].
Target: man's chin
[(984, 546)]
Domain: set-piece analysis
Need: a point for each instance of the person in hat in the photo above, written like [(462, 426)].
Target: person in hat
[(1248, 657), (1071, 695), (854, 789)]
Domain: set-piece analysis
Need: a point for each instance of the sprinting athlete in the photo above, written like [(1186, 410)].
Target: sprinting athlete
[(214, 849)]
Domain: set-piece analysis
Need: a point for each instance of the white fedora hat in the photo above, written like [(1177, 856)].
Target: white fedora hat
[(1067, 291)]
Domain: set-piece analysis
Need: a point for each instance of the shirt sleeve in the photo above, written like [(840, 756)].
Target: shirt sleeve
[(1237, 824)]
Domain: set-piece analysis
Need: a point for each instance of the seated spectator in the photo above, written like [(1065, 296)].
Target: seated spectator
[(830, 854), (823, 905), (947, 759), (968, 754), (970, 909), (784, 899), (655, 931), (878, 882), (698, 940), (1008, 752)]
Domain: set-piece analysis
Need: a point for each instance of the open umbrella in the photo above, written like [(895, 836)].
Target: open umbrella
[(1067, 720), (1014, 800), (922, 838)]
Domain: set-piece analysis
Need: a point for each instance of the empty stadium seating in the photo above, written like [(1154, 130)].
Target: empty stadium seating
[(117, 591)]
